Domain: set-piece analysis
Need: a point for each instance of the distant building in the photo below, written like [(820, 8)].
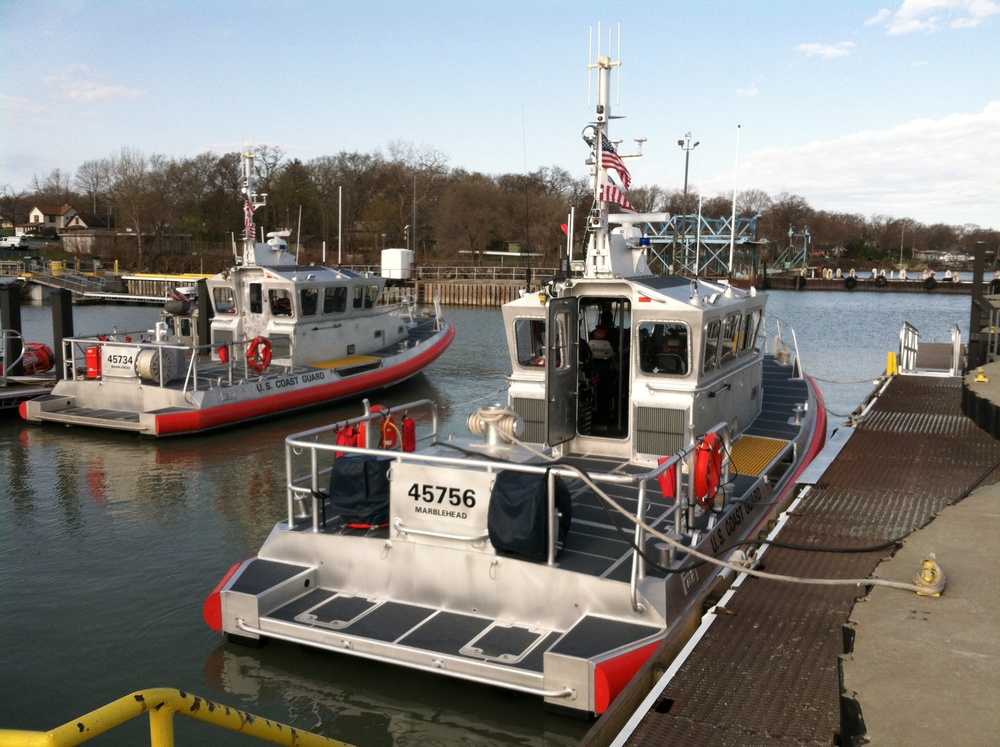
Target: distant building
[(55, 217)]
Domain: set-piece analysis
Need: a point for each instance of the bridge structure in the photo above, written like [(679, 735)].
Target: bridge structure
[(695, 245), (796, 255)]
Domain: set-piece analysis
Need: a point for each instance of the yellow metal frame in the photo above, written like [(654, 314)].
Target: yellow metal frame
[(162, 703)]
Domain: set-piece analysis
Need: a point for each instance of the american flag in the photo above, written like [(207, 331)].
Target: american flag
[(611, 160), (611, 193), (251, 228)]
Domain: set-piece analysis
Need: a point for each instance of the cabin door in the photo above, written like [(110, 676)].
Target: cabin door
[(562, 353)]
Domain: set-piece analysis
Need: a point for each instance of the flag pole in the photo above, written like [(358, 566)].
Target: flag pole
[(732, 227)]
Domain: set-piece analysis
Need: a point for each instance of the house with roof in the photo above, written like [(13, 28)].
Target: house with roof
[(41, 217)]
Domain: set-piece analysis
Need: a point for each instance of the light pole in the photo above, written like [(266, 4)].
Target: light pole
[(687, 147)]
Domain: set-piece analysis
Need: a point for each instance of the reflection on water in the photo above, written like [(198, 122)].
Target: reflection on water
[(111, 542)]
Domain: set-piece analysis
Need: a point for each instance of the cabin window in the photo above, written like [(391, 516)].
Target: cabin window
[(256, 299), (225, 300), (185, 326), (309, 301), (358, 296), (335, 300), (731, 327), (280, 302), (748, 339), (712, 331), (371, 297), (529, 338), (663, 348)]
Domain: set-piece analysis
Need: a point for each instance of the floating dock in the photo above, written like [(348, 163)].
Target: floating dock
[(781, 663)]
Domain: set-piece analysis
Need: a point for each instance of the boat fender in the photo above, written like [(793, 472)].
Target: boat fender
[(930, 282), (850, 282), (37, 357), (409, 434), (259, 354), (707, 469), (880, 281), (668, 480), (800, 282)]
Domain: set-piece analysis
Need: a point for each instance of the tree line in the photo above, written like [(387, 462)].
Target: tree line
[(169, 206)]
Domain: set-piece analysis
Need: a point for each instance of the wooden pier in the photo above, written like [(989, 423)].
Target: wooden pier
[(768, 664)]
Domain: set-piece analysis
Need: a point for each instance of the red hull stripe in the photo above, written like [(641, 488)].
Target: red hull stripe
[(214, 417)]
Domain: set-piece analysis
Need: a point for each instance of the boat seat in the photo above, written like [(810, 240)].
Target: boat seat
[(670, 363), (601, 350)]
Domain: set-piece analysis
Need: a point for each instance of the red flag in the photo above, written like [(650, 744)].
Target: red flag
[(565, 229)]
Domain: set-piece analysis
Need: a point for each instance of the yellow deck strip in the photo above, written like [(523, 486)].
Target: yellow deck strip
[(752, 454), (354, 360)]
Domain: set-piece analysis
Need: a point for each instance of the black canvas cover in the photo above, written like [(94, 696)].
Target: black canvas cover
[(517, 513), (359, 490)]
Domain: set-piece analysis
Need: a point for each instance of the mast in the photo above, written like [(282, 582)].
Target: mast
[(596, 134), (251, 201), (619, 253)]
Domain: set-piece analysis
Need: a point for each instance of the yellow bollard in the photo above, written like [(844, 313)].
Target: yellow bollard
[(981, 377), (891, 366)]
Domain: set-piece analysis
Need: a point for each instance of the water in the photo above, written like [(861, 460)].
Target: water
[(110, 544)]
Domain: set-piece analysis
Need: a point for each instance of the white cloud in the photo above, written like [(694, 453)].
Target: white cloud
[(826, 51), (748, 92), (881, 17), (80, 83), (929, 16), (932, 170)]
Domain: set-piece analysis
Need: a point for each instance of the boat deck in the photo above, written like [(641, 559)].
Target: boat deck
[(486, 648), (768, 669)]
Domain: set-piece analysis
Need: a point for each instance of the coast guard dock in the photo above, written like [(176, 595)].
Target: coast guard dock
[(911, 477)]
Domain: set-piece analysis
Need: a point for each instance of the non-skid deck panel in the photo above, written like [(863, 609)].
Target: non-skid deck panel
[(262, 574), (752, 454), (93, 415), (592, 636), (786, 639), (426, 629)]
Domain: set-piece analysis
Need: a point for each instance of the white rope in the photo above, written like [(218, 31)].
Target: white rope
[(930, 582)]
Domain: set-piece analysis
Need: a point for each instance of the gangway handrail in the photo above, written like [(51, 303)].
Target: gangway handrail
[(797, 368), (5, 366), (909, 341), (162, 704)]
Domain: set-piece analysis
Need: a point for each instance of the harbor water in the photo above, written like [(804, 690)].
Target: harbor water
[(110, 542)]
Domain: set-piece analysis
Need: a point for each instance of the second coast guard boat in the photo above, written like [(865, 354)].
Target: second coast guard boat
[(651, 429), (265, 338)]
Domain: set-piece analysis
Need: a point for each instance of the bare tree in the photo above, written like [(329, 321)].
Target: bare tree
[(129, 189), (93, 179), (54, 189)]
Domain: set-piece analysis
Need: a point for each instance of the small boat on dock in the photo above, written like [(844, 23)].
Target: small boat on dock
[(653, 425), (265, 338)]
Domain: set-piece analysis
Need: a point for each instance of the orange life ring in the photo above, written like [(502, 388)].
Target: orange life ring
[(707, 469), (259, 354)]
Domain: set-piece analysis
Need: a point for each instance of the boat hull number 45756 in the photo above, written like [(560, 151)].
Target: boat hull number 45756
[(442, 495)]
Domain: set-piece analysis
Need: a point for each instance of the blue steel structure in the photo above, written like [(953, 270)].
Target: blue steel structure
[(695, 245)]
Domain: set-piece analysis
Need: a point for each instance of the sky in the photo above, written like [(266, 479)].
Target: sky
[(882, 108)]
